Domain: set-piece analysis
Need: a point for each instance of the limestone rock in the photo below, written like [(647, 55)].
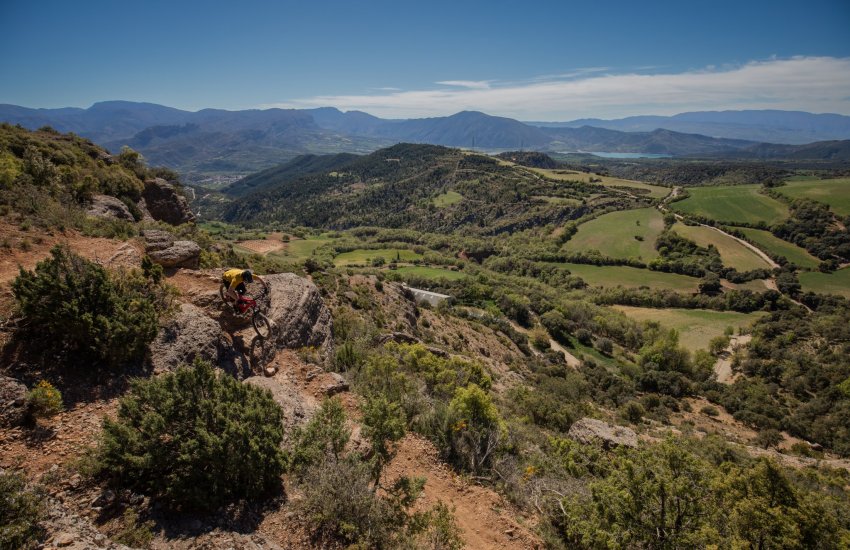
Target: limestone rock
[(157, 240), (180, 254), (13, 401), (296, 410), (335, 384), (105, 206), (165, 204), (589, 430)]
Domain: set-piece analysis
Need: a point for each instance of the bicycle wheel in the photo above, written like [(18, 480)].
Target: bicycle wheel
[(222, 291), (261, 324)]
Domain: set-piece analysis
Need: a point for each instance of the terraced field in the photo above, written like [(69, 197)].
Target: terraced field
[(776, 246), (645, 189), (364, 256), (614, 234), (631, 277), (732, 204), (696, 326), (733, 253), (837, 282), (431, 272), (834, 192)]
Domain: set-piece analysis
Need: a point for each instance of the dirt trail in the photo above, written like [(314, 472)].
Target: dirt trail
[(571, 359), (723, 366), (486, 519), (752, 247)]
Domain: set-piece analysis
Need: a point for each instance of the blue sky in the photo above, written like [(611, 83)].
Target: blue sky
[(530, 60)]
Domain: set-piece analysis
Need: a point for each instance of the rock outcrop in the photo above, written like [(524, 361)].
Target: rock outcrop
[(164, 203), (296, 410), (13, 401), (106, 206), (590, 430), (164, 250)]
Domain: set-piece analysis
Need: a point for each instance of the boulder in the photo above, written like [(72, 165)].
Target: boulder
[(13, 401), (590, 430), (165, 204), (180, 254), (335, 384), (296, 409), (157, 240), (105, 206), (143, 208), (191, 334), (298, 316)]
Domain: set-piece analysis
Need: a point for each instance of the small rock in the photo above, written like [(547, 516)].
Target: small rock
[(63, 539), (336, 385), (270, 371)]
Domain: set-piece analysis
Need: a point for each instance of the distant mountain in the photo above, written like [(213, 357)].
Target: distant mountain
[(237, 142), (821, 150), (773, 126)]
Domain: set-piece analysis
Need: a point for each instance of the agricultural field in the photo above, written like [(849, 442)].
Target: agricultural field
[(431, 272), (631, 277), (614, 234), (837, 282), (447, 199), (654, 191), (301, 249), (834, 192), (776, 246), (732, 252), (732, 204), (696, 327), (364, 256)]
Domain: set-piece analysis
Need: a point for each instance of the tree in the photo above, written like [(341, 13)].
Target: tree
[(383, 424), (323, 438)]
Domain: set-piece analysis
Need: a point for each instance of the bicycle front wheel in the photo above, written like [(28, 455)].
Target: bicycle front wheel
[(261, 325)]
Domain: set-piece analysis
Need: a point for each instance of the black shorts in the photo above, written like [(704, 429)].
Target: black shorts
[(240, 288)]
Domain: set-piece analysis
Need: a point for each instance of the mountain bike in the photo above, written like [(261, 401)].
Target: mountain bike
[(246, 305)]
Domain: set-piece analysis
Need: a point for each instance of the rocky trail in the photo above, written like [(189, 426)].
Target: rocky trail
[(723, 366)]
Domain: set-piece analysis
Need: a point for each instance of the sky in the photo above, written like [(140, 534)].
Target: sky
[(559, 60)]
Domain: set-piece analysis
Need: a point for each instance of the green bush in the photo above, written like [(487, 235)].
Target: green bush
[(323, 438), (44, 400), (20, 512), (475, 427), (195, 439), (74, 305)]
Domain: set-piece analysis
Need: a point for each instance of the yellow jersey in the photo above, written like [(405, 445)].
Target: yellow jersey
[(233, 277)]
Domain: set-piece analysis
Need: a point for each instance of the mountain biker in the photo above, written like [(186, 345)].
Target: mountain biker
[(235, 280)]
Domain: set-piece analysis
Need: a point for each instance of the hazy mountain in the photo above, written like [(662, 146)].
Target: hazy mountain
[(772, 126)]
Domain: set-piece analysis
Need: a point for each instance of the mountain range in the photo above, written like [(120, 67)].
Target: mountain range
[(238, 142)]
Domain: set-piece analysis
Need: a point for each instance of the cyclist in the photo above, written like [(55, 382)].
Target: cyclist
[(235, 280)]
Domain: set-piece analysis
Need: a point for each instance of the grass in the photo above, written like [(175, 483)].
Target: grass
[(631, 277), (300, 249), (834, 192), (776, 246), (364, 256), (696, 327), (732, 204), (614, 234), (447, 199), (558, 200), (654, 191), (837, 282), (431, 272), (733, 253)]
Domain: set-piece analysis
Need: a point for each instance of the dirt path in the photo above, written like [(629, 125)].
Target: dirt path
[(485, 518), (752, 247), (723, 366), (571, 359)]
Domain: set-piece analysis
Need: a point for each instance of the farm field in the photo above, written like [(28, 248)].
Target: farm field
[(300, 249), (696, 327), (774, 245), (654, 191), (837, 282), (363, 256), (431, 272), (733, 253), (614, 234), (631, 277), (447, 199), (732, 204), (834, 192)]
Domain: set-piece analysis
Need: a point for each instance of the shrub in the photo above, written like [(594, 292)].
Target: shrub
[(195, 439), (475, 428), (324, 437), (44, 400), (539, 338), (133, 533), (632, 411), (75, 305), (384, 423), (20, 512), (708, 410), (605, 345), (768, 438)]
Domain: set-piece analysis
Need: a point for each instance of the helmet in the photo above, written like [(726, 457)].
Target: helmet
[(247, 276)]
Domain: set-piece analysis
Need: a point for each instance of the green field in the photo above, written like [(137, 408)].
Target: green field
[(614, 234), (654, 191), (300, 249), (431, 272), (776, 246), (447, 199), (733, 253), (834, 192), (696, 326), (736, 203), (827, 283), (364, 256), (631, 277)]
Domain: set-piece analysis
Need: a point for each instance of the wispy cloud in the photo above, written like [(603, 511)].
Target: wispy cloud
[(817, 84), (472, 84)]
